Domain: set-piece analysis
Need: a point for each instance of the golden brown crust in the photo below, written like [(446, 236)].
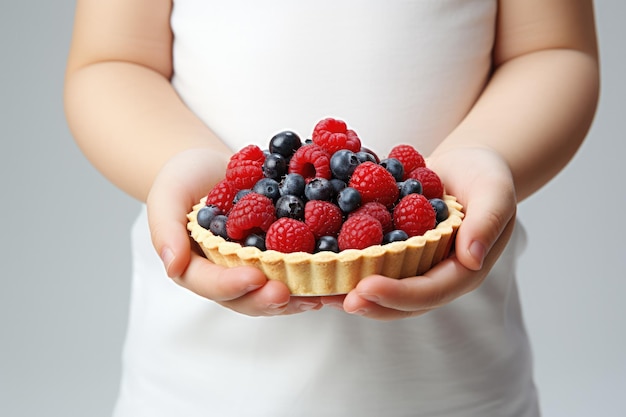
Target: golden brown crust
[(328, 273)]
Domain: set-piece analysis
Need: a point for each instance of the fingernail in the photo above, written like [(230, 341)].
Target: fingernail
[(370, 297), (276, 308), (337, 306), (251, 288), (167, 257), (359, 312), (307, 306), (477, 250)]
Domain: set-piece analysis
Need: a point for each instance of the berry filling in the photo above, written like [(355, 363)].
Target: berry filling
[(325, 194)]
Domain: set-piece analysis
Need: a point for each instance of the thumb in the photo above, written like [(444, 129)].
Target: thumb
[(486, 217), (167, 219)]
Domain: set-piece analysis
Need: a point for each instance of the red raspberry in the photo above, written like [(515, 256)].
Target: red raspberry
[(359, 232), (243, 174), (377, 211), (222, 195), (432, 187), (323, 218), (289, 235), (414, 214), (311, 161), (334, 135), (253, 212), (374, 183), (408, 156), (249, 153)]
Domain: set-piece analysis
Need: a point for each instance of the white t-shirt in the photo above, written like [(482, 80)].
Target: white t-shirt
[(397, 71)]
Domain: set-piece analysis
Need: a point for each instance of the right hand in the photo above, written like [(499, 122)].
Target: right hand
[(180, 184)]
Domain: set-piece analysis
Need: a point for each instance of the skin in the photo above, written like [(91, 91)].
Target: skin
[(526, 126)]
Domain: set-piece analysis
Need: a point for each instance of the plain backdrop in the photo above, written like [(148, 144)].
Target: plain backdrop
[(65, 260)]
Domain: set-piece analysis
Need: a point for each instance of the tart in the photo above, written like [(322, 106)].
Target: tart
[(322, 214), (329, 273)]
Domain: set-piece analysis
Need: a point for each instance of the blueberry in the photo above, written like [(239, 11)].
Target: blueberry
[(275, 166), (293, 184), (395, 236), (327, 243), (218, 226), (394, 167), (206, 214), (285, 143), (364, 156), (240, 194), (255, 240), (343, 163), (410, 186), (338, 185), (319, 189), (267, 187), (441, 209), (348, 199), (290, 206), (371, 154)]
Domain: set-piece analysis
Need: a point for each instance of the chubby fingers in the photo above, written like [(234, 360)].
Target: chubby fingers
[(242, 289), (385, 298)]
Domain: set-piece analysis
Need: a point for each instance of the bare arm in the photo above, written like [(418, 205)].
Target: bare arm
[(526, 126), (120, 105), (540, 102), (133, 127)]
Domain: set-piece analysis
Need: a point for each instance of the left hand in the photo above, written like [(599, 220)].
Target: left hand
[(482, 182)]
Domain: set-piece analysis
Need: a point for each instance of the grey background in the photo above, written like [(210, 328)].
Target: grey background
[(65, 260)]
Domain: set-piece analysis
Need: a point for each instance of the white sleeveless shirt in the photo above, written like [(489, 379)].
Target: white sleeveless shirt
[(397, 71)]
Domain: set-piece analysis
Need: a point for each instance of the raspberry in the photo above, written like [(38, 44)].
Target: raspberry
[(414, 215), (334, 135), (374, 183), (289, 235), (432, 187), (249, 153), (323, 218), (377, 211), (222, 195), (253, 212), (243, 174), (311, 161), (359, 232), (408, 156)]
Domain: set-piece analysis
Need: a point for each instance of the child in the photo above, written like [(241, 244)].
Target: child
[(498, 94)]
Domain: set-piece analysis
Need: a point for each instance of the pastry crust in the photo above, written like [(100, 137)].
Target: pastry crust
[(329, 273)]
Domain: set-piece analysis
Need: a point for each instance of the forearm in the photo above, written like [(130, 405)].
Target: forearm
[(535, 112), (128, 121)]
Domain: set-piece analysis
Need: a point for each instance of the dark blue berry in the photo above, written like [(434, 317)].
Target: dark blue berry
[(319, 189), (240, 194), (285, 143), (371, 154), (394, 167), (441, 209), (364, 156), (218, 226), (395, 236), (293, 184), (338, 185), (290, 206), (275, 166), (267, 187), (410, 186), (348, 199), (206, 214), (255, 240), (327, 243), (343, 163)]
